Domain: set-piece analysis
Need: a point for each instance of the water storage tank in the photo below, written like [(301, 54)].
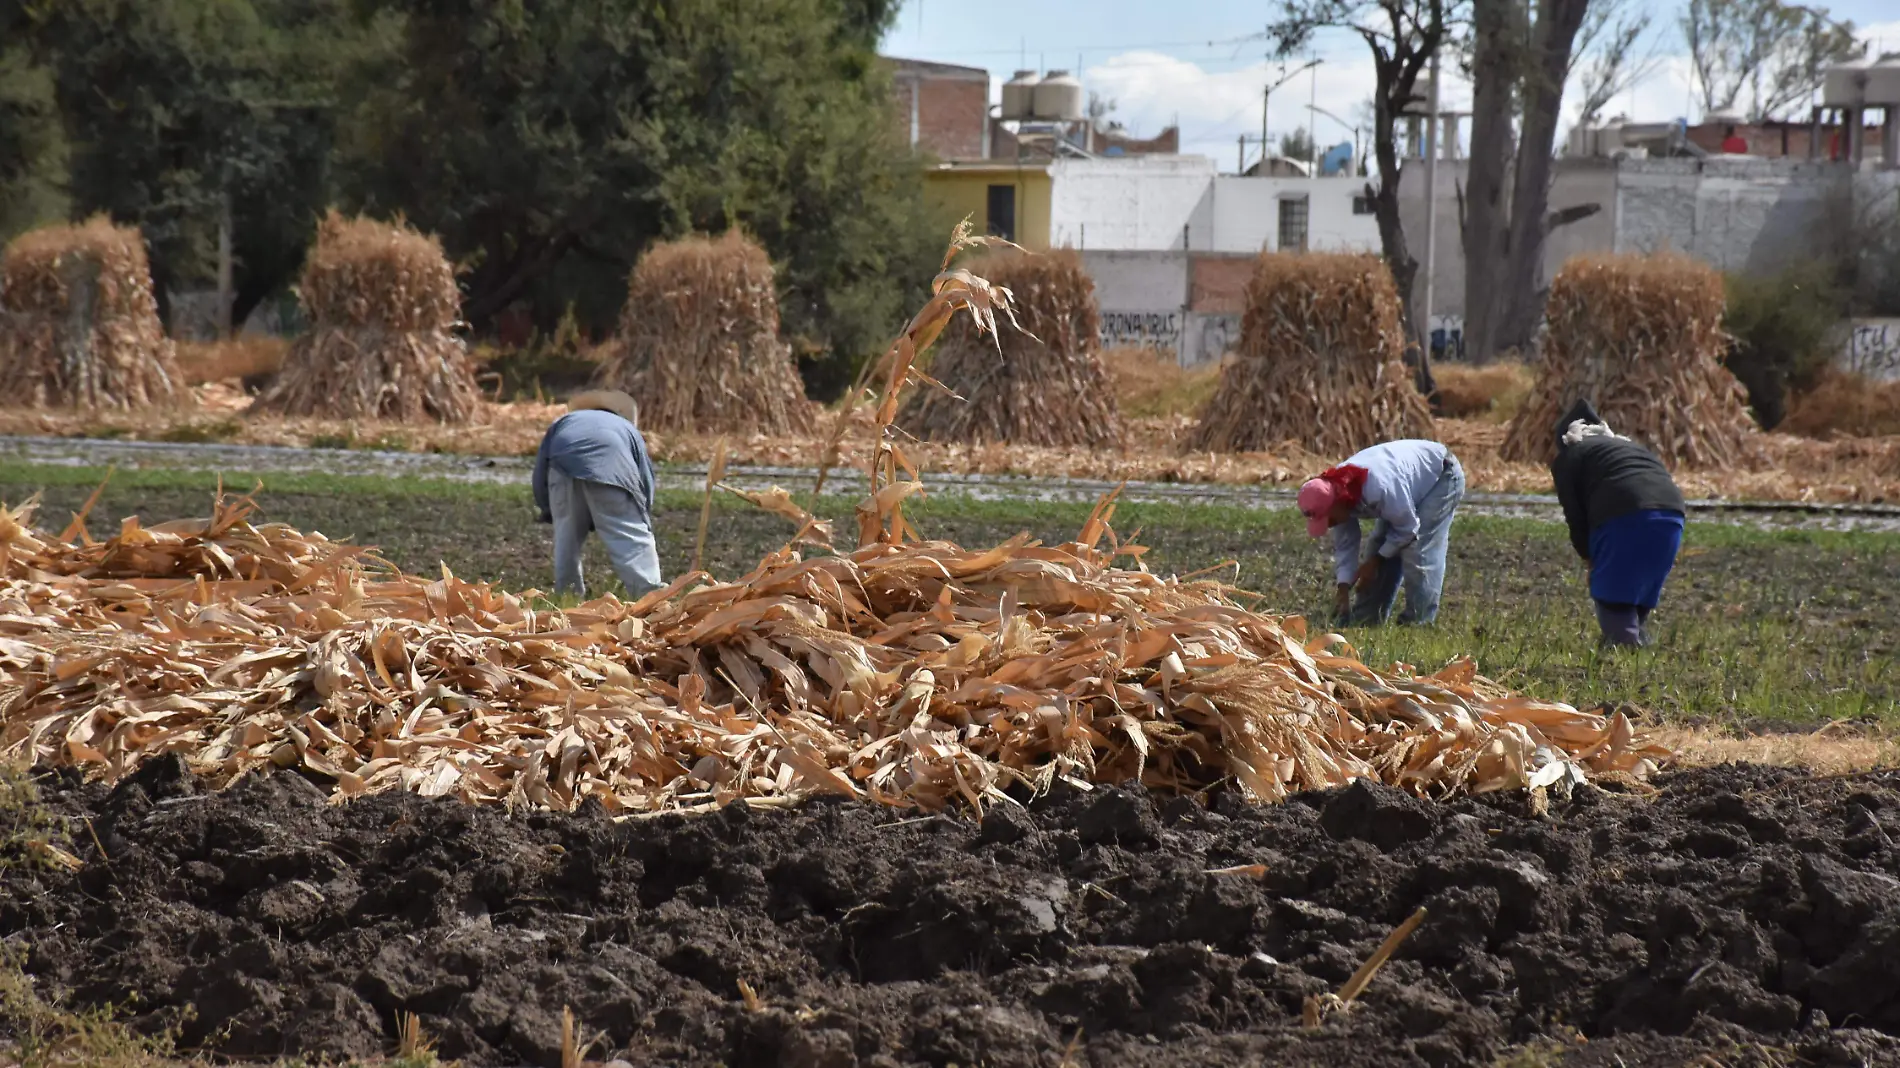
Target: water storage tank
[(1019, 96), (1059, 97)]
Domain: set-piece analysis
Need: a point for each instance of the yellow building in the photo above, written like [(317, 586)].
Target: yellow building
[(1010, 200)]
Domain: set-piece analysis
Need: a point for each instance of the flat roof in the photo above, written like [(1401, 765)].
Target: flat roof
[(924, 68)]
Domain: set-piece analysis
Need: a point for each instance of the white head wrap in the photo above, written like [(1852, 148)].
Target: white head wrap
[(1581, 429)]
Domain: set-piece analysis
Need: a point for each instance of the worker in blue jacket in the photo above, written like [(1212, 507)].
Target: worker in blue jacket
[(593, 474)]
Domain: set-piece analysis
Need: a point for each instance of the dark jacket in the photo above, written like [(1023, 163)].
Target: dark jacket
[(1600, 479)]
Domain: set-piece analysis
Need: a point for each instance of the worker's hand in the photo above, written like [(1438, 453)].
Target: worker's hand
[(1342, 601), (1368, 571)]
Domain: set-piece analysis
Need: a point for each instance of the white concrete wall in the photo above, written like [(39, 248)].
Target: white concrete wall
[(1873, 349), (1142, 297), (1132, 202), (1737, 215), (1247, 214), (1575, 183)]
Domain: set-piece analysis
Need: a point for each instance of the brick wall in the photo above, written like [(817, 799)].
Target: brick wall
[(950, 109), (1219, 283), (1771, 140)]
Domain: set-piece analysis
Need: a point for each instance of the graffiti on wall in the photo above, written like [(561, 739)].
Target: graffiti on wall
[(1210, 336), (1873, 348), (1142, 329)]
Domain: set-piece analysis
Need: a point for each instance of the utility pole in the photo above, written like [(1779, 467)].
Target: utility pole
[(1312, 128), (1266, 99), (1431, 211)]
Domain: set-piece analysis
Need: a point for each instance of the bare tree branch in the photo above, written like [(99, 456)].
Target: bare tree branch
[(1607, 48)]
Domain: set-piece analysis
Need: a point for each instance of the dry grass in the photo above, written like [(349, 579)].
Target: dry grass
[(699, 344), (79, 323), (1837, 749), (1845, 405), (1319, 363), (229, 361), (1153, 384), (1042, 384), (1641, 338), (1491, 393), (383, 306)]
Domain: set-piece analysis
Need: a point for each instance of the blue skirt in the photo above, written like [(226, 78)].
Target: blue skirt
[(1632, 555)]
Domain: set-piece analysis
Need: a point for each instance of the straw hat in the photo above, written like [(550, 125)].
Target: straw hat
[(606, 400)]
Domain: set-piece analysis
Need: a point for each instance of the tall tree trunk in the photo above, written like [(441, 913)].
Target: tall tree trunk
[(1542, 92), (1401, 76), (1498, 34)]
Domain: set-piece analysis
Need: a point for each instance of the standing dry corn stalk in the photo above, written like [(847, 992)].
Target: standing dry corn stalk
[(1320, 361), (1044, 384), (881, 514), (79, 323), (383, 306), (1640, 337), (699, 343)]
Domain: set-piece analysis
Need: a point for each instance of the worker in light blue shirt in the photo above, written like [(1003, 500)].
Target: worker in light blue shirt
[(593, 474), (1411, 488)]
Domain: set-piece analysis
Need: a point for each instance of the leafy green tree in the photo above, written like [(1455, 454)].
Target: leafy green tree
[(171, 107), (549, 149)]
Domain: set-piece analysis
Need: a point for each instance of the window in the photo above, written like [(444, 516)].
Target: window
[(1362, 205), (1003, 212), (1293, 224)]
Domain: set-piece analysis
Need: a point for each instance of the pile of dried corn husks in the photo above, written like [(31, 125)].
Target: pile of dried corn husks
[(917, 674)]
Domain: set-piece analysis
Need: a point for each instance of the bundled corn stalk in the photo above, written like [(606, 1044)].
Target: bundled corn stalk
[(78, 321), (1044, 384), (1640, 337), (383, 307), (699, 343), (1320, 361), (914, 674)]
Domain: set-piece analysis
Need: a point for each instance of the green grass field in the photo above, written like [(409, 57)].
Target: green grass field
[(1757, 629)]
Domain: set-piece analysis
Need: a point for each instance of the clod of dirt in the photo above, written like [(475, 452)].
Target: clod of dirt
[(1726, 913)]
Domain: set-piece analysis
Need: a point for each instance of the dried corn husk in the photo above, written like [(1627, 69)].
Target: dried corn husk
[(920, 674), (383, 305), (1640, 337), (1320, 362), (79, 323), (699, 343), (1042, 385)]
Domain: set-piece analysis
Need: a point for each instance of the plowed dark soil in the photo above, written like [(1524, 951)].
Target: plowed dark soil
[(1745, 914)]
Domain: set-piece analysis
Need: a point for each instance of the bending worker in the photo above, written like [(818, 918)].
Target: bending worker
[(1411, 488), (1625, 516), (593, 473)]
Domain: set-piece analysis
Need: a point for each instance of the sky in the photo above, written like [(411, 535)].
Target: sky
[(1192, 62)]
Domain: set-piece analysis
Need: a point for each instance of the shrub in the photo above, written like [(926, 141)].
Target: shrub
[(1784, 330)]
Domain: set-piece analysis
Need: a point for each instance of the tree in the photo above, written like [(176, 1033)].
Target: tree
[(1607, 60), (1776, 52), (1297, 144), (1521, 57), (1402, 35), (174, 107), (32, 146), (549, 149)]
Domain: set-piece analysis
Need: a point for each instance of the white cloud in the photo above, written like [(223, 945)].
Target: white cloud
[(1214, 107)]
